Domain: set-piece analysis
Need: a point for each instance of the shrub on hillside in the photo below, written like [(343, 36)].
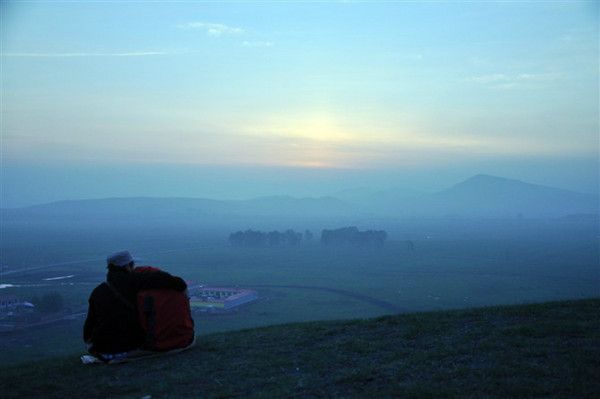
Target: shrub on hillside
[(49, 303)]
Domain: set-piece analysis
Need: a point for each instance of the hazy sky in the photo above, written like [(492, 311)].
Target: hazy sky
[(242, 99)]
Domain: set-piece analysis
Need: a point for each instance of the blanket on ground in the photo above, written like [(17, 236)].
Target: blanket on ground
[(125, 357)]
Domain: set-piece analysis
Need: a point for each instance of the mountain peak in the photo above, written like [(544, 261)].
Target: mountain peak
[(486, 184), (483, 178)]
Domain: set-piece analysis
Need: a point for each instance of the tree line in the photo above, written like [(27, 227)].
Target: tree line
[(254, 238), (343, 236)]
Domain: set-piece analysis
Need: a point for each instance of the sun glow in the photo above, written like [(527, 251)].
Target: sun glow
[(318, 126)]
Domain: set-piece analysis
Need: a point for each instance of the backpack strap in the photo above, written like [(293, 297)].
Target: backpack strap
[(120, 296)]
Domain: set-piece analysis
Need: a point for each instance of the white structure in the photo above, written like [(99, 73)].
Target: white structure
[(219, 298)]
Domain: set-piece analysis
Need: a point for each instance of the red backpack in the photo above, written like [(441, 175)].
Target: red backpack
[(165, 317)]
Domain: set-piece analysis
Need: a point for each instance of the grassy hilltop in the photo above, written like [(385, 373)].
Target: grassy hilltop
[(542, 350)]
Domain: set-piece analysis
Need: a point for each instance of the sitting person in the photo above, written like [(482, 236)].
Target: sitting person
[(112, 325)]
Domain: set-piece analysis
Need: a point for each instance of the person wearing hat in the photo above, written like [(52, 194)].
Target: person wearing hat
[(112, 324)]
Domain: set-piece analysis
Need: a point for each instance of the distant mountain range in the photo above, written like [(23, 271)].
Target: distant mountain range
[(484, 195), (489, 197), (181, 208), (479, 196)]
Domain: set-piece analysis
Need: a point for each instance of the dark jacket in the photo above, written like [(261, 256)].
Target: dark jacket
[(111, 325)]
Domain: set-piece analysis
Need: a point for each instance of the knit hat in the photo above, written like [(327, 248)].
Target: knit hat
[(120, 259)]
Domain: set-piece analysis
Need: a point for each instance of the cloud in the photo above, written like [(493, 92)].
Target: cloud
[(128, 54), (538, 76), (257, 44), (506, 82), (212, 29), (493, 78)]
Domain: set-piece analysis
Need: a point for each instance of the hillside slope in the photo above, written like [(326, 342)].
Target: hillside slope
[(177, 208), (484, 195), (544, 350), (480, 196)]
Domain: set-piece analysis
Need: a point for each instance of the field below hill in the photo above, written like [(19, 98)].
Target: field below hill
[(540, 350)]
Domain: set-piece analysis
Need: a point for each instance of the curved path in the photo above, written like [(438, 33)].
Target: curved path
[(354, 295)]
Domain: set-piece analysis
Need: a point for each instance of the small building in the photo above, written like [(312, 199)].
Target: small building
[(8, 302), (11, 305), (219, 298)]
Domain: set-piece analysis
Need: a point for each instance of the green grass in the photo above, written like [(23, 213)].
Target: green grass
[(438, 275), (543, 350)]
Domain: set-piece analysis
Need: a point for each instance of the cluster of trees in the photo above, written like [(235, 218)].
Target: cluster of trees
[(252, 238), (343, 236), (48, 303), (353, 236)]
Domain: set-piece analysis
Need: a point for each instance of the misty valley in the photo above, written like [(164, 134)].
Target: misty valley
[(422, 264), (306, 199)]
